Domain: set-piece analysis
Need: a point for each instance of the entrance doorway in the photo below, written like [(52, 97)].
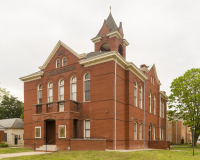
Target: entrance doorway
[(50, 132), (75, 127), (149, 132), (16, 139)]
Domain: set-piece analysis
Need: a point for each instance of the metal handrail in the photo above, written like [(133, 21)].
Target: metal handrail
[(37, 142), (49, 142)]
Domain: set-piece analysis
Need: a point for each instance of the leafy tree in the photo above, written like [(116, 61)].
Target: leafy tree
[(3, 92), (22, 115), (185, 99), (10, 107)]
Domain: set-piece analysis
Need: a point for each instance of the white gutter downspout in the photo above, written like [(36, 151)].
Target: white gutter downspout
[(115, 109), (144, 117)]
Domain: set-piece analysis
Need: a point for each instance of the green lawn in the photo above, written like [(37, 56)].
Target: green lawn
[(185, 153), (13, 150)]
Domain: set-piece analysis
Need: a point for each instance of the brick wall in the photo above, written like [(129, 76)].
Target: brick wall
[(159, 144), (83, 144), (1, 136)]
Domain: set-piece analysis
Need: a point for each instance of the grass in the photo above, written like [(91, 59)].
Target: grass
[(13, 150), (178, 152)]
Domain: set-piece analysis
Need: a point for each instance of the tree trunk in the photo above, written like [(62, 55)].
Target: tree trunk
[(196, 136)]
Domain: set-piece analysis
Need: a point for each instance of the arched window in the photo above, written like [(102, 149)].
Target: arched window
[(105, 47), (120, 49), (64, 61), (140, 97), (39, 93), (57, 63), (154, 104), (150, 102), (135, 93), (73, 88), (50, 92), (61, 90), (87, 87)]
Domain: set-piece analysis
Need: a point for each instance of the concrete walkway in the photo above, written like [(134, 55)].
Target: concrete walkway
[(20, 154)]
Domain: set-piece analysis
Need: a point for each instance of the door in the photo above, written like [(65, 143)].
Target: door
[(50, 132), (16, 139)]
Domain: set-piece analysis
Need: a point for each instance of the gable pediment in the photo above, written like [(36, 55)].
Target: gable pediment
[(57, 52)]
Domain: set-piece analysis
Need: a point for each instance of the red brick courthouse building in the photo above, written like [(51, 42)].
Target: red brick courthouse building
[(94, 101)]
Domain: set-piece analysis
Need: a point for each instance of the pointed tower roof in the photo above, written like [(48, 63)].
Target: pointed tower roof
[(110, 22)]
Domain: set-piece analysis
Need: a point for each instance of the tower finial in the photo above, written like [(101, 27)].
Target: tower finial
[(110, 9)]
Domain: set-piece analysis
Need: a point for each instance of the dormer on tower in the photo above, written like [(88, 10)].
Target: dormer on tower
[(110, 38)]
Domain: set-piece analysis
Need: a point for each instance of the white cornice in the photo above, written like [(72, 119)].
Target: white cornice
[(96, 39), (32, 77), (125, 42), (114, 34), (163, 95), (119, 59), (54, 51)]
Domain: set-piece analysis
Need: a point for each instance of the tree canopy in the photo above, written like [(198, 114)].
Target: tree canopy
[(185, 100), (10, 107), (3, 92)]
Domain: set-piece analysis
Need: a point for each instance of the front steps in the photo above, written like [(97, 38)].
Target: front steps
[(50, 148)]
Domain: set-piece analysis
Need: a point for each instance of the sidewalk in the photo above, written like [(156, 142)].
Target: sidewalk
[(20, 154)]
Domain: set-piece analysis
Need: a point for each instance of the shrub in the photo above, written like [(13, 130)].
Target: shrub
[(171, 143), (186, 143), (3, 144), (182, 141)]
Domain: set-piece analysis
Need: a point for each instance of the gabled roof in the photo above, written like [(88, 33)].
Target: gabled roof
[(55, 50), (110, 22), (12, 123), (154, 69)]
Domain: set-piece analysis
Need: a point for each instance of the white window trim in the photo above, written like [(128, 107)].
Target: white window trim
[(40, 131), (84, 127), (141, 131), (135, 96), (150, 102), (59, 130), (76, 87), (38, 93), (59, 89), (62, 61), (48, 91), (135, 123), (56, 62), (141, 97), (84, 87)]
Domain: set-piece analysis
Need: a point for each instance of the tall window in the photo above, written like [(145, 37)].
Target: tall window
[(73, 88), (87, 87), (162, 133), (135, 130), (5, 137), (140, 97), (153, 81), (160, 109), (87, 128), (39, 93), (38, 132), (140, 130), (57, 63), (64, 61), (135, 93), (50, 92), (61, 90), (150, 102), (154, 132), (154, 104)]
